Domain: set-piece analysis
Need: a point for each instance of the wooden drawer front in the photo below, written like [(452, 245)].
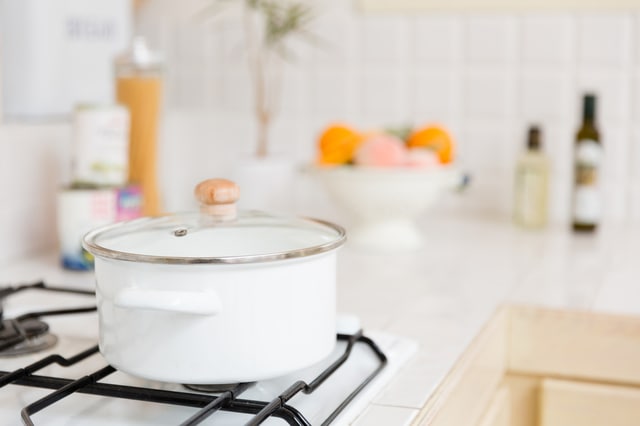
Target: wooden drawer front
[(566, 403), (575, 345), (499, 411)]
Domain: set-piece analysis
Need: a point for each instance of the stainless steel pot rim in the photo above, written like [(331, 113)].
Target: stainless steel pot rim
[(95, 249)]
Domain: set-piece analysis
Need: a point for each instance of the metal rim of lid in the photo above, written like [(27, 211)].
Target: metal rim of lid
[(95, 249)]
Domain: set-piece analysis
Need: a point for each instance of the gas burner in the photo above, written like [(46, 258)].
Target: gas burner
[(27, 333), (20, 337), (30, 346), (212, 388)]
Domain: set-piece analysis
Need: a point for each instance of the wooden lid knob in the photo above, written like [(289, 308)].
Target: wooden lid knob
[(218, 197), (217, 191)]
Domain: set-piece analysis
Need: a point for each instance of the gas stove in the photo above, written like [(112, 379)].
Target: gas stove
[(51, 372)]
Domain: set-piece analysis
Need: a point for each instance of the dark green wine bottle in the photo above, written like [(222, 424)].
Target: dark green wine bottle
[(587, 203)]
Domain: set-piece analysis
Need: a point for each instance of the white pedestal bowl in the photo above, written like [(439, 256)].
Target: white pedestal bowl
[(385, 203)]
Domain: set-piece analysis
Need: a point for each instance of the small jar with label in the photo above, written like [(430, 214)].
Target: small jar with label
[(100, 145)]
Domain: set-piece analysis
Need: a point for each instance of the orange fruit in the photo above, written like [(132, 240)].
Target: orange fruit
[(337, 144), (435, 138)]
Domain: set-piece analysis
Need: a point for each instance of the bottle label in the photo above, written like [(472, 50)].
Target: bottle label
[(586, 202), (530, 197)]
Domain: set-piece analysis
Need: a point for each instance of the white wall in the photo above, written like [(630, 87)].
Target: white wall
[(33, 162), (486, 76)]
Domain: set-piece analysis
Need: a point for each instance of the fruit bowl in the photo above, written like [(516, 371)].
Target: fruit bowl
[(385, 203), (385, 179)]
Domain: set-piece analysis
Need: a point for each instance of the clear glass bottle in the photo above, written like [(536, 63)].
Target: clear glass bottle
[(587, 204), (532, 183), (139, 88)]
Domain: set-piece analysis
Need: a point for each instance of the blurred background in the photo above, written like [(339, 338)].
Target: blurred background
[(486, 73)]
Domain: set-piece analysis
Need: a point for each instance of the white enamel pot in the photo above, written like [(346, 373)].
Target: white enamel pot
[(213, 296)]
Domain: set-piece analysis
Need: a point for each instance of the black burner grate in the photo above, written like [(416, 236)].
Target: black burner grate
[(207, 404), (27, 333), (229, 400)]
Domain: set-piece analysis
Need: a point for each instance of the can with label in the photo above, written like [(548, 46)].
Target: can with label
[(100, 145), (81, 209)]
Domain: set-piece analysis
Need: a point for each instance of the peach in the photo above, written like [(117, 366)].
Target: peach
[(381, 150), (422, 157)]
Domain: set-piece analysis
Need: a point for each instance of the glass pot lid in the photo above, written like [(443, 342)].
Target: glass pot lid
[(216, 234)]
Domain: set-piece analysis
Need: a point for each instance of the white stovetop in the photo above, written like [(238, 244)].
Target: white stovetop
[(441, 295)]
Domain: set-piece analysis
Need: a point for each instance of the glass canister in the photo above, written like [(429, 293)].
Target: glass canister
[(139, 88)]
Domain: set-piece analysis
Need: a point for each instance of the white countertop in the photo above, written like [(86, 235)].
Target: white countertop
[(443, 294)]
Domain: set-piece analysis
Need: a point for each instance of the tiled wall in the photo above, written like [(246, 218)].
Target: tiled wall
[(33, 161), (485, 76)]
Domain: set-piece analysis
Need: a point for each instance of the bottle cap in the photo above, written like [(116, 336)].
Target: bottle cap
[(139, 55), (589, 106), (534, 141)]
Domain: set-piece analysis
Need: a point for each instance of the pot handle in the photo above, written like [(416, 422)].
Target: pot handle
[(459, 180), (182, 302)]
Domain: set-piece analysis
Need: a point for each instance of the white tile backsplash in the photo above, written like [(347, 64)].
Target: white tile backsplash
[(491, 39), (435, 95), (438, 39), (237, 95), (384, 39), (547, 40), (634, 91), (489, 93), (383, 96), (35, 164), (613, 90), (486, 76), (634, 199), (191, 88), (295, 98), (634, 155), (191, 43), (333, 39), (545, 94), (213, 89), (333, 92), (618, 154), (558, 140), (233, 44), (474, 153), (605, 40)]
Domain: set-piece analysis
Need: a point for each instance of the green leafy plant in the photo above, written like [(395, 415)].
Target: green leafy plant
[(269, 25)]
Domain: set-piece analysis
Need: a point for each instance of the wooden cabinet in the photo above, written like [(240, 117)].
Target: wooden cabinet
[(565, 402), (539, 367)]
